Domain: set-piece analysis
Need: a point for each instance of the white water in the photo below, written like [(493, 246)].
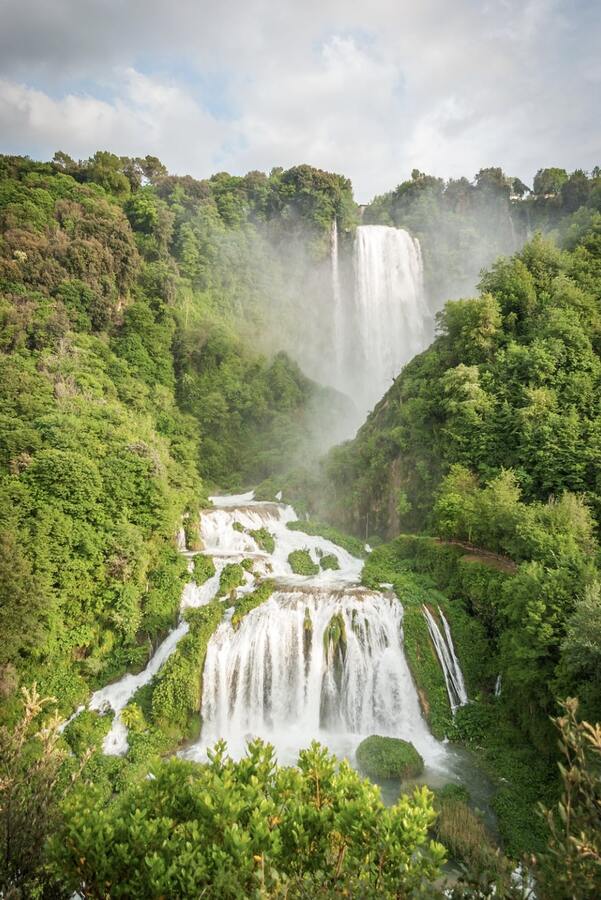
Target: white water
[(337, 308), (447, 657), (391, 318), (279, 676)]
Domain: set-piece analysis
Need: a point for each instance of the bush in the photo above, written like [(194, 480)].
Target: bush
[(301, 563), (387, 757), (177, 693), (465, 837), (204, 568), (250, 601), (87, 730), (329, 561), (247, 829), (264, 539), (232, 576)]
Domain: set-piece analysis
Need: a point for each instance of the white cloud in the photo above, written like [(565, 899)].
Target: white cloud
[(147, 116), (371, 90)]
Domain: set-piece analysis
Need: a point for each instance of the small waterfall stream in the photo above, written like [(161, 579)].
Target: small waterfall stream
[(337, 309), (447, 657)]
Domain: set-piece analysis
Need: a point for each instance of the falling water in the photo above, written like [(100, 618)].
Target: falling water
[(321, 659), (390, 319), (325, 664), (337, 310), (449, 663)]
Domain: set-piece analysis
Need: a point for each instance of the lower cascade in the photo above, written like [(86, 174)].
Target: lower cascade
[(313, 663), (322, 659)]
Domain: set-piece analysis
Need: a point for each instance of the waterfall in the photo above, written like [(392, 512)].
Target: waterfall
[(337, 311), (321, 659), (449, 663), (326, 664), (391, 320)]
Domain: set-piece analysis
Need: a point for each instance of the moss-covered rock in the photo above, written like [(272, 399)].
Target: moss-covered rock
[(301, 563), (329, 561), (387, 757), (250, 601), (264, 539), (204, 568), (232, 576)]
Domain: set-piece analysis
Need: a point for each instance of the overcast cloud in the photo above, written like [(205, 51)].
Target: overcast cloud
[(370, 89)]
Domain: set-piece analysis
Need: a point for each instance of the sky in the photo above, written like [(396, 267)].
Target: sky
[(370, 89)]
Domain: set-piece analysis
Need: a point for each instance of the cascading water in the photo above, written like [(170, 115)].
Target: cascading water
[(338, 335), (391, 321), (321, 659), (319, 663), (447, 657)]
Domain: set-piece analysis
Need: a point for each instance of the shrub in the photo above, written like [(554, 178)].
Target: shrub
[(387, 757), (329, 561), (251, 601), (204, 568), (178, 690), (264, 539), (87, 730), (301, 563), (247, 829), (232, 576)]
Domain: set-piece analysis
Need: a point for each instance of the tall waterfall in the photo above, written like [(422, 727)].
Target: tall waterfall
[(337, 310), (391, 319), (443, 644)]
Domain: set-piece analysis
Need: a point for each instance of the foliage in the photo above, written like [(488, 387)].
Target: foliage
[(97, 463), (232, 577), (466, 839), (248, 602), (204, 568), (329, 561), (264, 539), (31, 787), (301, 563), (177, 691), (87, 731), (570, 866), (249, 828), (349, 543), (388, 757)]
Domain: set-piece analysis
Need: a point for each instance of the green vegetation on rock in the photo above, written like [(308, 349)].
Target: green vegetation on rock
[(301, 563), (329, 561), (388, 757), (232, 577), (250, 601), (204, 568), (264, 538), (177, 689)]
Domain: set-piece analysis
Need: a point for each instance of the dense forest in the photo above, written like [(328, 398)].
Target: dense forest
[(150, 332)]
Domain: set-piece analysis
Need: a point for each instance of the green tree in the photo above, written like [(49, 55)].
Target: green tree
[(232, 829)]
